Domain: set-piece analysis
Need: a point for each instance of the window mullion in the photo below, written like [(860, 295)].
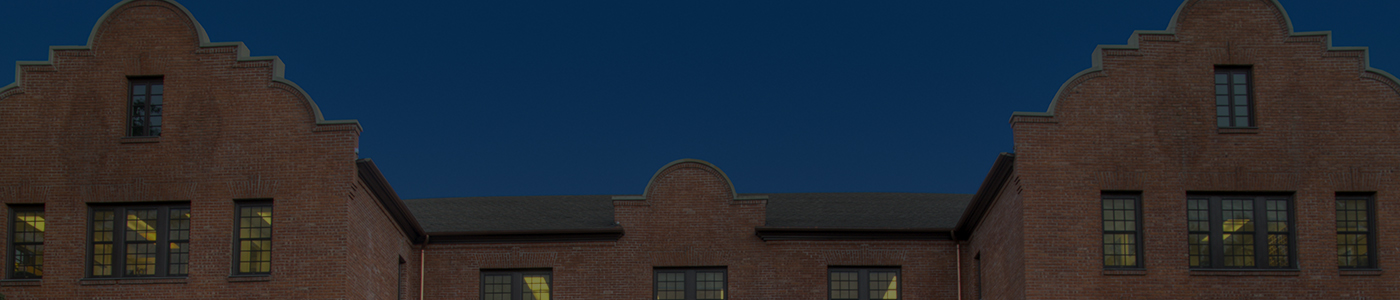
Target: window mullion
[(1217, 243), (119, 242), (1261, 232), (863, 284)]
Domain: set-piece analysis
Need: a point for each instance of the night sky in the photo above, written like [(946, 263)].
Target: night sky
[(500, 98)]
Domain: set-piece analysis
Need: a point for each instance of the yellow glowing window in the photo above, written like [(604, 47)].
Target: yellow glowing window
[(254, 235), (27, 237), (139, 241), (516, 285), (854, 283)]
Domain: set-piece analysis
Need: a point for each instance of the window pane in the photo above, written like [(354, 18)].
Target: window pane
[(1239, 111), (1278, 250), (1241, 100), (536, 287), (709, 285), (497, 287), (1241, 78), (29, 261), (139, 89), (1198, 247), (1222, 111), (140, 259), (1222, 100), (1222, 89), (1241, 89), (27, 234), (1241, 121), (844, 285), (884, 285), (1222, 78), (157, 89), (670, 285)]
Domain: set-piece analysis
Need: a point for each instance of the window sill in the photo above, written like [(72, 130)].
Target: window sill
[(1238, 130), (249, 278), (1246, 272), (1362, 272), (1129, 272), (20, 282), (140, 139), (110, 281)]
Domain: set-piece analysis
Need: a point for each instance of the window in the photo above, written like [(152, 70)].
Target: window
[(27, 240), (1232, 93), (140, 240), (690, 284), (1122, 233), (863, 283), (146, 100), (515, 285), (1355, 231), (1226, 231), (977, 271), (254, 238)]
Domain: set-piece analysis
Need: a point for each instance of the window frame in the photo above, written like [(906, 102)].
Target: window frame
[(1230, 84), (517, 281), (1139, 260), (238, 239), (10, 256), (1261, 229), (690, 279), (863, 279), (118, 242), (1372, 257), (150, 108)]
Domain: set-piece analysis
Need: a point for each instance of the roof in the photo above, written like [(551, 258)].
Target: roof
[(807, 210), (516, 213), (866, 210)]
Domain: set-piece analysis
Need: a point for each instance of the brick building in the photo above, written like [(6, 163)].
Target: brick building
[(1226, 157)]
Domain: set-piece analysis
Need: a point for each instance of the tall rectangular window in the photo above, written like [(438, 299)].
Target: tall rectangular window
[(144, 240), (1356, 232), (254, 238), (26, 242), (147, 97), (863, 283), (1233, 106), (1239, 231), (689, 284), (516, 285), (1122, 233)]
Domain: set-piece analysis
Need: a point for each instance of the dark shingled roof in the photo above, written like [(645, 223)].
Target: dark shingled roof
[(513, 213), (810, 210), (866, 210)]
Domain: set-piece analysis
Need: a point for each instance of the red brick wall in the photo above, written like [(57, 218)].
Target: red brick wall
[(230, 133), (999, 242), (376, 246), (1146, 123), (689, 218)]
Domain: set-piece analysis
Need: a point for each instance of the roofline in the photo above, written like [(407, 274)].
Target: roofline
[(986, 195), (379, 187), (847, 234), (1097, 56), (529, 236), (732, 193), (278, 69)]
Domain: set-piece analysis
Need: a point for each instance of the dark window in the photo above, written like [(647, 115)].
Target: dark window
[(254, 238), (27, 240), (690, 284), (1233, 103), (1356, 233), (402, 270), (1122, 233), (1239, 231), (146, 100), (977, 271), (863, 283), (515, 285), (140, 241)]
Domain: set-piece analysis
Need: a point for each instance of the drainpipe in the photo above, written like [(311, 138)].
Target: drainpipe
[(422, 258), (957, 261)]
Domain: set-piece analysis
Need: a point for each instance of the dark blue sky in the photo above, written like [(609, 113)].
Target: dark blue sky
[(491, 98)]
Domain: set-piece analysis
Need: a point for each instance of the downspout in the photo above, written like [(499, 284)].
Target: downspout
[(422, 258)]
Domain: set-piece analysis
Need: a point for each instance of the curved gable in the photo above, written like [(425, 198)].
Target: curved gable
[(166, 13), (1195, 16), (715, 175)]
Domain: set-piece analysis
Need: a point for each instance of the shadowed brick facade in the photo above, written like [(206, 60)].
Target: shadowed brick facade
[(1141, 121)]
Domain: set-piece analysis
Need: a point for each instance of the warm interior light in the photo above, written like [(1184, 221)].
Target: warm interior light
[(539, 286)]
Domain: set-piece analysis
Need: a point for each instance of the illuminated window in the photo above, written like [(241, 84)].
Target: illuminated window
[(1239, 231), (515, 284), (690, 284), (1122, 233), (139, 241), (1356, 234), (146, 100), (863, 283), (27, 242), (254, 238)]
